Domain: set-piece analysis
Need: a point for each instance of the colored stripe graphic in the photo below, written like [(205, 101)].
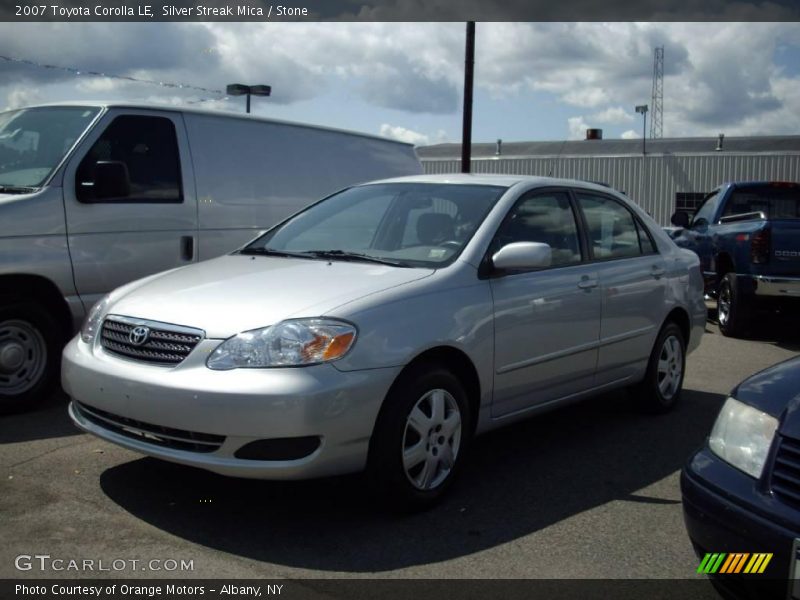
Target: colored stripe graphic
[(723, 563)]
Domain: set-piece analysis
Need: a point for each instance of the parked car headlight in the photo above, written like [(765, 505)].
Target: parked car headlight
[(92, 323), (742, 436), (287, 344)]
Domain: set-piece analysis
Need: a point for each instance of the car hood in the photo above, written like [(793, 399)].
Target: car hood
[(236, 293), (775, 390)]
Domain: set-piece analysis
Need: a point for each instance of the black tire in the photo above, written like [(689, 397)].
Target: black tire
[(733, 311), (651, 395), (30, 353), (393, 432)]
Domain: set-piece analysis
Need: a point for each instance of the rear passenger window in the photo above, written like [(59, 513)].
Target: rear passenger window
[(645, 243), (143, 150), (546, 218), (613, 232)]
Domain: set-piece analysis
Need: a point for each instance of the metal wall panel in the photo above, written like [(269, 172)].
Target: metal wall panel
[(652, 181)]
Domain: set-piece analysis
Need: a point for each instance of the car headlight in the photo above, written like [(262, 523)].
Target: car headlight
[(742, 436), (290, 343), (92, 323)]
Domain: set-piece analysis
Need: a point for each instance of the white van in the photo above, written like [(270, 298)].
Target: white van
[(94, 195)]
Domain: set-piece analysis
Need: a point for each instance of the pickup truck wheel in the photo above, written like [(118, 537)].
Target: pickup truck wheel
[(419, 440), (732, 310), (29, 355), (661, 388)]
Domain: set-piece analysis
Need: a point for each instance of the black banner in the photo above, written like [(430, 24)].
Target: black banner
[(396, 10), (358, 589)]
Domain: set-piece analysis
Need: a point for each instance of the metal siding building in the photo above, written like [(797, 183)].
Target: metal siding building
[(674, 173)]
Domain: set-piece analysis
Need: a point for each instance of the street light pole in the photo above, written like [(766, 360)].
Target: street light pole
[(240, 89), (469, 71), (642, 109)]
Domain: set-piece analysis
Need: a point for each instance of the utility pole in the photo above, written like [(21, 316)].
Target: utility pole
[(469, 72)]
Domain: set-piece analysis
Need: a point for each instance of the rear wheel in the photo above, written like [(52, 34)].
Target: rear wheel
[(732, 309), (420, 438), (661, 388), (29, 355)]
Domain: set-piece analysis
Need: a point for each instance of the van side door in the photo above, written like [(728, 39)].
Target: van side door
[(130, 201)]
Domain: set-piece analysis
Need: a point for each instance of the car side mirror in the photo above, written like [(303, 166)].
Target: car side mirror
[(680, 219), (111, 179), (523, 255)]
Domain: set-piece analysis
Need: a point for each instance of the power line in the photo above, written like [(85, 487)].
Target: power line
[(88, 73)]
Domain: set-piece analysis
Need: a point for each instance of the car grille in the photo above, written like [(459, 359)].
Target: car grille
[(165, 345), (785, 479), (166, 437)]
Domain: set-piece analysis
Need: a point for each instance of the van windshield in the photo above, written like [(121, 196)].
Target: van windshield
[(400, 224), (33, 141)]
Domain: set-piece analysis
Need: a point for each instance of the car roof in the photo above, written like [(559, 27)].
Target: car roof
[(496, 180)]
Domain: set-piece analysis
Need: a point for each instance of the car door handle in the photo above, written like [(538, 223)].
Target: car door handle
[(658, 272), (187, 247), (587, 283)]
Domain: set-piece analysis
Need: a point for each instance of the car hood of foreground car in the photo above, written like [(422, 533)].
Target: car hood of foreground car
[(775, 390), (235, 293)]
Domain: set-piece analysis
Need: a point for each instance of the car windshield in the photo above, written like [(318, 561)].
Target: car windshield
[(403, 224), (33, 142)]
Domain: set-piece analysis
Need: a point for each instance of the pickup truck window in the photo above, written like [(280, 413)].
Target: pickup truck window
[(34, 141), (143, 152), (707, 208), (773, 202)]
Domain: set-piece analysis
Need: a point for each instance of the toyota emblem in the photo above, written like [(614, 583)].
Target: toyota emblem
[(139, 335)]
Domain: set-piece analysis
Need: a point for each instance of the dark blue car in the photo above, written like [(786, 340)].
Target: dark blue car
[(741, 490)]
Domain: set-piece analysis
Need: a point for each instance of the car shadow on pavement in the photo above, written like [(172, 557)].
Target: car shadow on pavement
[(50, 420), (780, 329), (517, 480)]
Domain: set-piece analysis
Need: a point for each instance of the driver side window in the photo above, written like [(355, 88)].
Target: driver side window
[(545, 218), (707, 208)]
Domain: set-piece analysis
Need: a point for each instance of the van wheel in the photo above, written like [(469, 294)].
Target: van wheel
[(731, 307), (420, 438), (29, 355), (661, 388)]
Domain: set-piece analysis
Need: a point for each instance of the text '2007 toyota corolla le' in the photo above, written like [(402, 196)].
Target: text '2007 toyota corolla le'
[(386, 325)]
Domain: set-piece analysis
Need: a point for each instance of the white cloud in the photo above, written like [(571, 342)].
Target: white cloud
[(630, 134), (613, 115), (404, 135), (22, 96), (577, 128)]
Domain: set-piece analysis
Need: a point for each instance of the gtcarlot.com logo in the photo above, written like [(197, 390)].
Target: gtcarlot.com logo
[(45, 562), (734, 562)]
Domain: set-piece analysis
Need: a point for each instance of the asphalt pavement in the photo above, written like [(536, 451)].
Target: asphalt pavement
[(589, 491)]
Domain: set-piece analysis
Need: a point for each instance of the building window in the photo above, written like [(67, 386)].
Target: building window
[(689, 201)]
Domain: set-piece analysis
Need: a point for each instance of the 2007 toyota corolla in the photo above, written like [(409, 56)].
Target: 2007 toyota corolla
[(386, 325)]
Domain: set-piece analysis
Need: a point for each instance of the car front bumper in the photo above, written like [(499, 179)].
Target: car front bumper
[(196, 416), (728, 511)]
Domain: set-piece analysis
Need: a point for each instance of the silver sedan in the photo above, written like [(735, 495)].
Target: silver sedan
[(385, 326)]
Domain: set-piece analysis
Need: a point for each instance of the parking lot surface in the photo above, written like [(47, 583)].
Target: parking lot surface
[(590, 491)]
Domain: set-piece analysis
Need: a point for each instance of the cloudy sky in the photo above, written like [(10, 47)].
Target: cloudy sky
[(542, 81)]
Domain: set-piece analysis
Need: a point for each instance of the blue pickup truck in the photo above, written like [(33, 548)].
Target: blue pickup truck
[(747, 235)]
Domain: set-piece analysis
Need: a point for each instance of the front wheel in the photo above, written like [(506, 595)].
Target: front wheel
[(661, 388), (420, 438), (29, 353)]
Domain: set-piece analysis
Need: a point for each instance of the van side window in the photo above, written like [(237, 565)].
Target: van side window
[(135, 160), (545, 218), (612, 229)]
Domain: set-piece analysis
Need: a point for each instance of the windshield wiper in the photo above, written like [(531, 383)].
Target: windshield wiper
[(271, 252), (343, 255), (17, 189)]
